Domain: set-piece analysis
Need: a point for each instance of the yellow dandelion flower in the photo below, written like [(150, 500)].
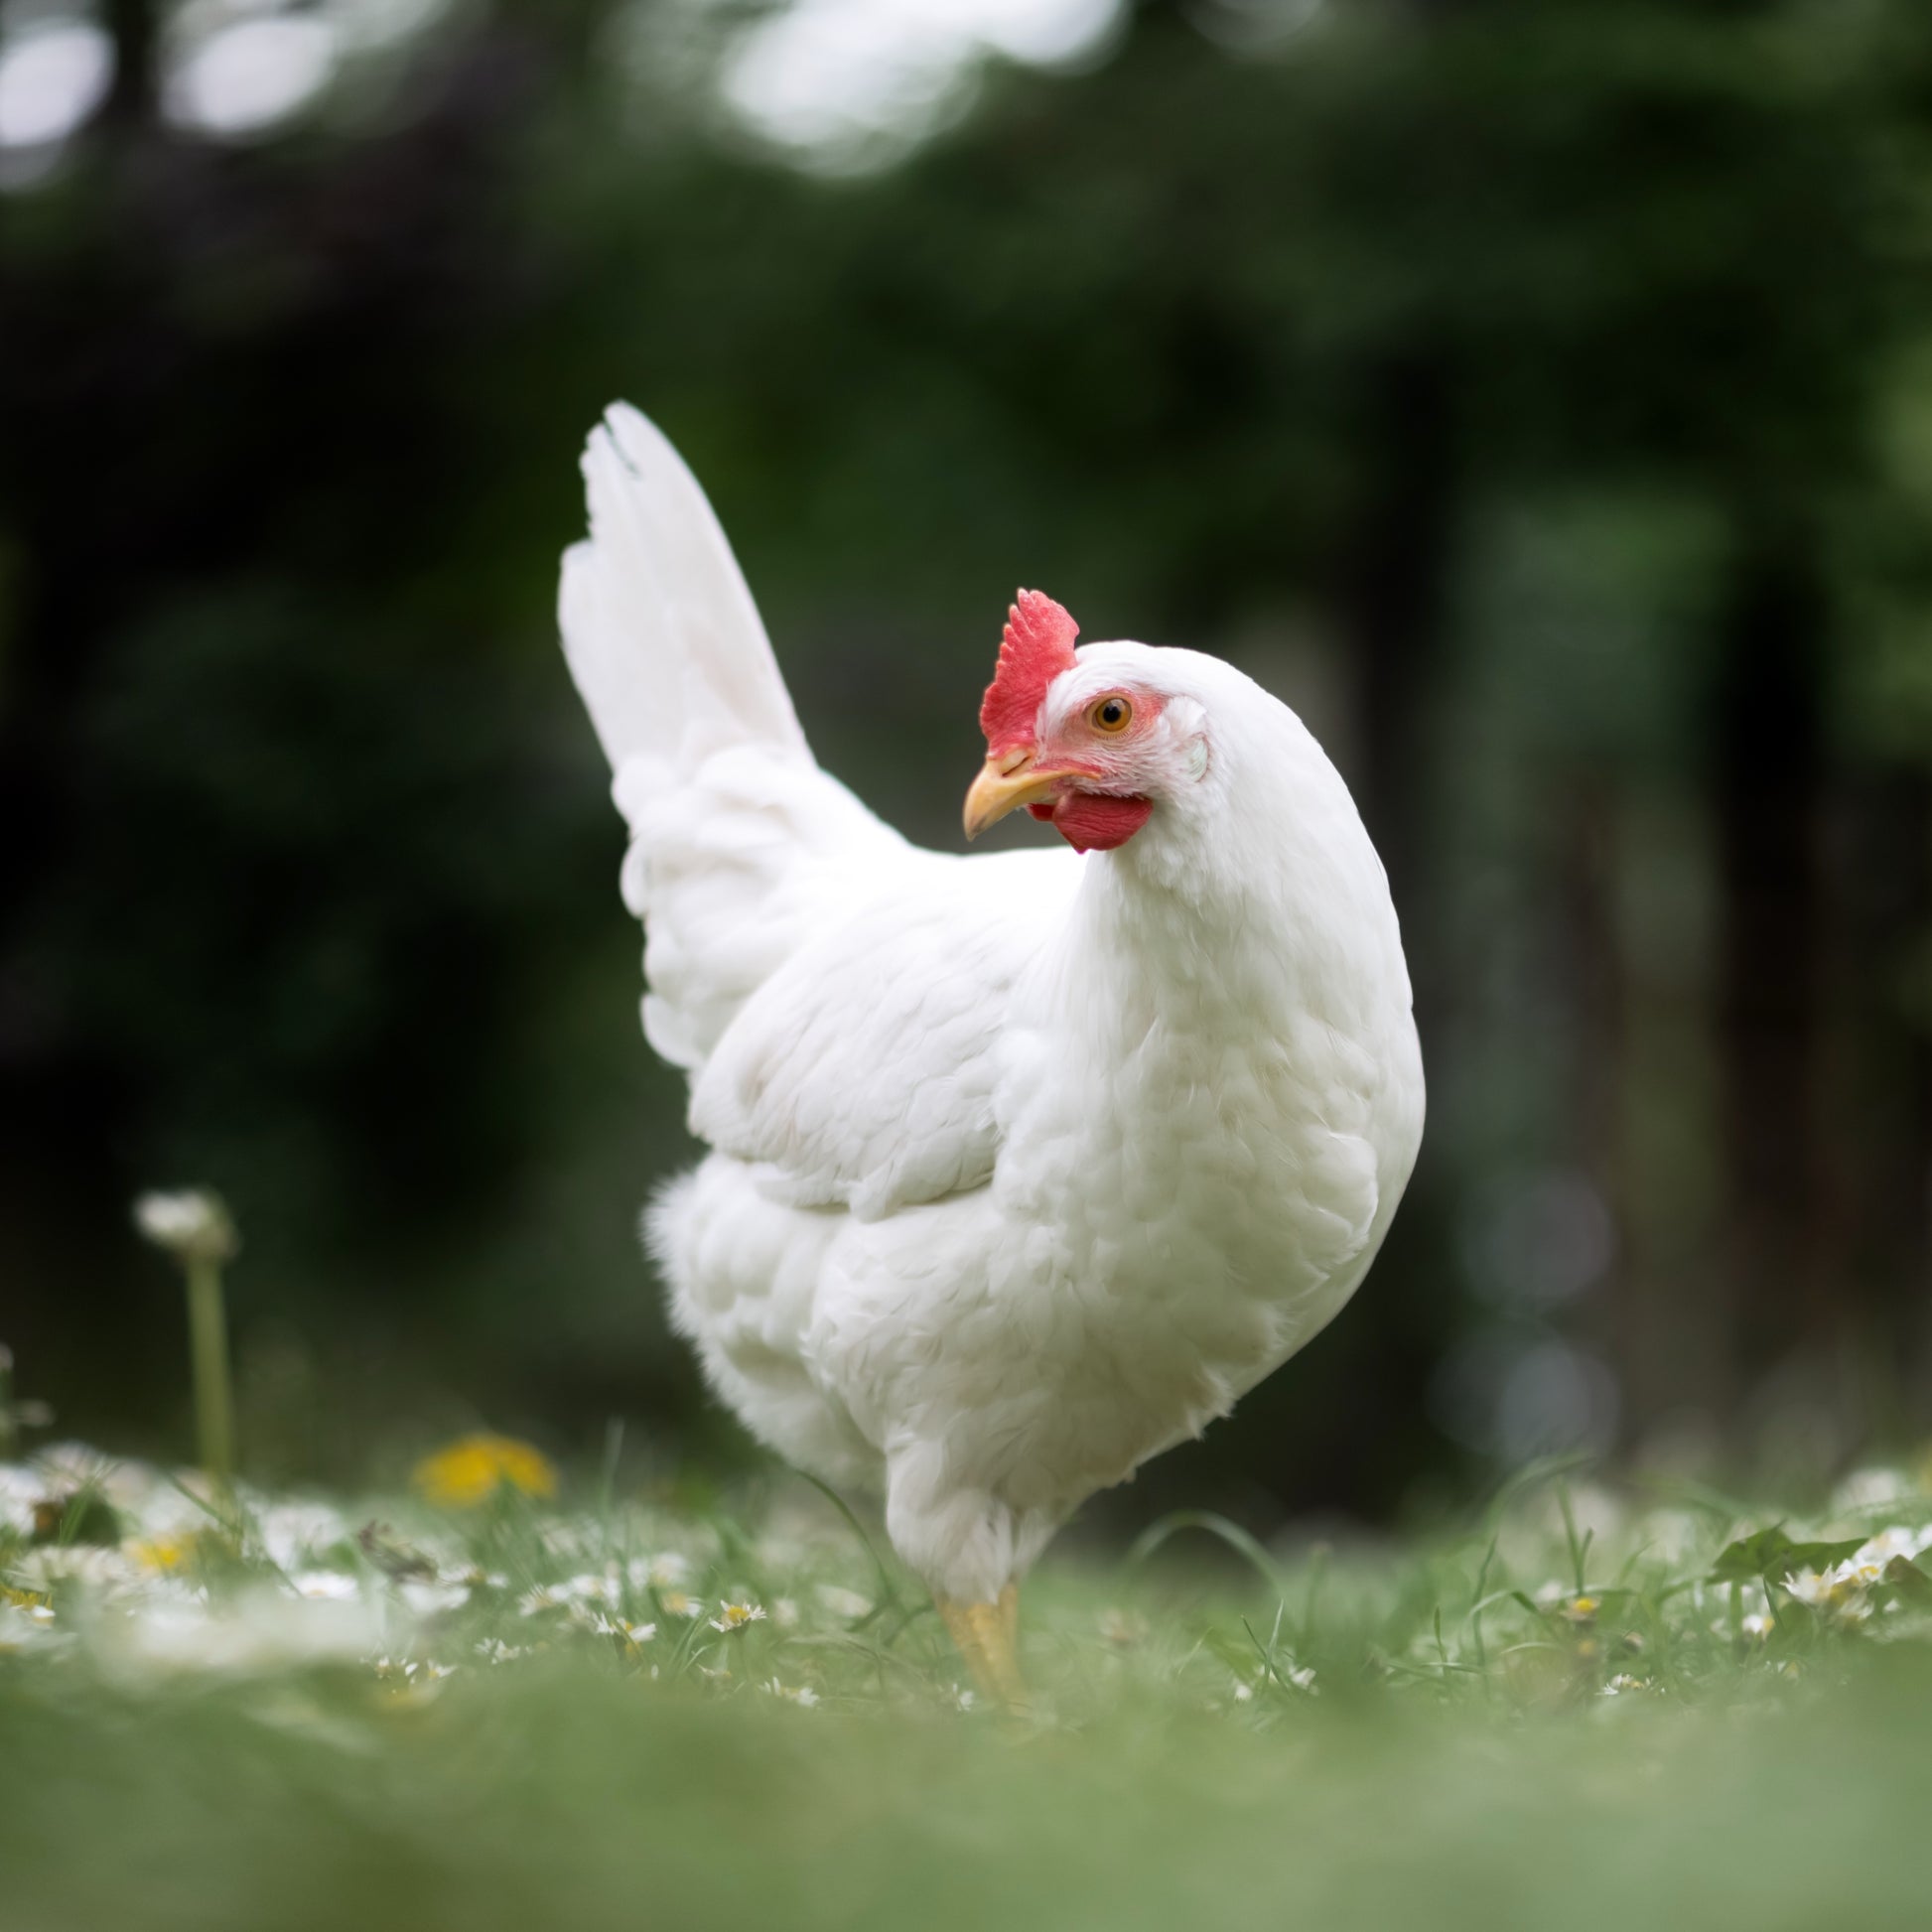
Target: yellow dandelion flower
[(470, 1470)]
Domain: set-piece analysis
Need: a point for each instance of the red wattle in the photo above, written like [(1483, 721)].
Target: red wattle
[(1091, 822)]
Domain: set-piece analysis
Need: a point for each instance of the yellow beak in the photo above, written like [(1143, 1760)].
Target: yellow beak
[(1008, 781)]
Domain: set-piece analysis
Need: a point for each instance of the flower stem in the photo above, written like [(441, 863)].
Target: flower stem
[(208, 1333)]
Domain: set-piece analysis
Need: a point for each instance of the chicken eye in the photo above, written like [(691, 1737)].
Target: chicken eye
[(1111, 715)]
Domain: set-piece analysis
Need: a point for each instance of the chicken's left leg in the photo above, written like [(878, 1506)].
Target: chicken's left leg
[(988, 1638)]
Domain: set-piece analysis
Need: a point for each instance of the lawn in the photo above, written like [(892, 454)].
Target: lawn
[(478, 1705)]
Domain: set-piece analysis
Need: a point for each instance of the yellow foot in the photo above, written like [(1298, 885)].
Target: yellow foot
[(988, 1636)]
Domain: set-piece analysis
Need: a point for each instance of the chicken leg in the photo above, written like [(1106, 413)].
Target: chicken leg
[(988, 1637)]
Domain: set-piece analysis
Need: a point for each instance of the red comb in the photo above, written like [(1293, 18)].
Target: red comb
[(1037, 646)]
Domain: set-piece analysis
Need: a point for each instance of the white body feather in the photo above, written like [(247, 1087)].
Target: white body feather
[(1027, 1166)]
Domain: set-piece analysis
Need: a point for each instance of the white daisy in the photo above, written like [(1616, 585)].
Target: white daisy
[(428, 1599), (1840, 1592), (261, 1630), (24, 1627), (587, 1588), (1808, 1587), (844, 1602), (20, 1490), (329, 1584), (666, 1570), (598, 1623), (291, 1531), (1897, 1541), (802, 1694), (1870, 1489)]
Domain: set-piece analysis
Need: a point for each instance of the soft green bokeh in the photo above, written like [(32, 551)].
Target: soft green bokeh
[(1534, 395)]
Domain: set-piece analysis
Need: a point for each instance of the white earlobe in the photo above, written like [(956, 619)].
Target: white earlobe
[(1189, 722)]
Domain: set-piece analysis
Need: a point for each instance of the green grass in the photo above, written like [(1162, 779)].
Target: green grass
[(1433, 1731)]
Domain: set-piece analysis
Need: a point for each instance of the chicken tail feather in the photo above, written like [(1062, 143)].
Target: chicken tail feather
[(659, 630)]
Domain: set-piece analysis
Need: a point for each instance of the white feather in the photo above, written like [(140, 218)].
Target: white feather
[(660, 632), (1023, 1168)]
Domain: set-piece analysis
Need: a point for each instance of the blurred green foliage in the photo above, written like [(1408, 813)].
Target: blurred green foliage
[(1537, 397)]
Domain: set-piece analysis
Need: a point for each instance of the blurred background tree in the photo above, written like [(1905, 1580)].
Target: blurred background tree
[(1537, 398)]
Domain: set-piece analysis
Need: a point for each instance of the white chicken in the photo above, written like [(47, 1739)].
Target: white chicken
[(1024, 1166)]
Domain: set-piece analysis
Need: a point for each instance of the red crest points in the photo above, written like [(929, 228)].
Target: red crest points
[(1037, 646)]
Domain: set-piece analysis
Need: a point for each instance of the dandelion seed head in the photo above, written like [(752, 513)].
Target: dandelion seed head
[(189, 1223)]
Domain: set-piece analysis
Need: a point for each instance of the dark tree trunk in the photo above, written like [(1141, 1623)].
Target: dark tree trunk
[(1766, 765), (1880, 1193), (1393, 599), (1622, 1317), (134, 97), (1910, 1274)]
